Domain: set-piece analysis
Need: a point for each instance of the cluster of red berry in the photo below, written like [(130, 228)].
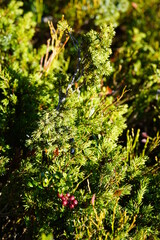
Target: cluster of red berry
[(68, 200)]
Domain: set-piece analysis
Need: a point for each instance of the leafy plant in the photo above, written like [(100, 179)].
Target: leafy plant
[(68, 171)]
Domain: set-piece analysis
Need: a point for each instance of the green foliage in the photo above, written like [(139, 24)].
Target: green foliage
[(48, 237), (99, 51), (136, 65), (16, 33), (94, 11), (63, 112), (39, 8)]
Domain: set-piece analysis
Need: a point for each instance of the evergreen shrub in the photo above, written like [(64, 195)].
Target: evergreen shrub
[(66, 169)]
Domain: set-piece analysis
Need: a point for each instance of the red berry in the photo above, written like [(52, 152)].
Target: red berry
[(60, 195), (75, 202), (144, 135), (67, 195), (63, 198), (64, 203), (72, 198), (71, 206)]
